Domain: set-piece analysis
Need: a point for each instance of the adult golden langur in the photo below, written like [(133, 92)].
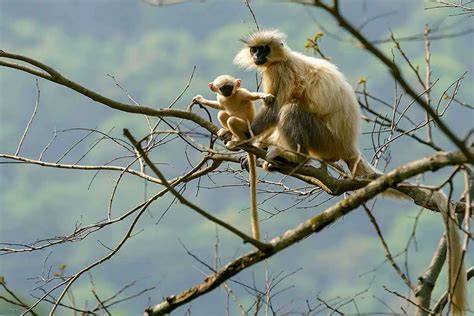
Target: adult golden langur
[(316, 115), (237, 111)]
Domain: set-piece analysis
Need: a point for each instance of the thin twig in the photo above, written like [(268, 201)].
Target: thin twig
[(54, 76), (303, 230), (20, 143), (126, 237), (388, 254), (409, 301), (396, 73), (247, 4), (260, 245), (426, 32)]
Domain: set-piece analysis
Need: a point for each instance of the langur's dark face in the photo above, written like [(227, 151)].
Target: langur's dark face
[(227, 90), (259, 54)]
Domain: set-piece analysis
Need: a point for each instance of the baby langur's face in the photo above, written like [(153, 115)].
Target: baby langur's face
[(227, 89), (224, 85)]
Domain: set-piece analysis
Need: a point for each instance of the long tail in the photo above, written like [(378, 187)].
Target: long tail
[(457, 278), (253, 196), (360, 167)]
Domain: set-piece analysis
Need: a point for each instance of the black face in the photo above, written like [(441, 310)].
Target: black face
[(226, 90), (259, 54)]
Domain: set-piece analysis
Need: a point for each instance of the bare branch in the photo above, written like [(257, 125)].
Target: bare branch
[(313, 225), (16, 300), (245, 238), (427, 281), (56, 77), (79, 167), (388, 254), (247, 4), (396, 73), (426, 310), (465, 10), (20, 143), (70, 281)]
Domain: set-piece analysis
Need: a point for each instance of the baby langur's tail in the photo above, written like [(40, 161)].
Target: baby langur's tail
[(360, 167), (252, 163)]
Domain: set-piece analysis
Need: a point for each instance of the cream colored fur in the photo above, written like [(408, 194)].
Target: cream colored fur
[(318, 86), (456, 272), (237, 112)]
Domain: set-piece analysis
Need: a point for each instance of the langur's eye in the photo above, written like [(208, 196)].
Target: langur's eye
[(253, 50), (226, 87)]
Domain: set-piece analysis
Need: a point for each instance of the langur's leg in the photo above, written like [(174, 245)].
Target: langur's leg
[(239, 129), (264, 123), (299, 131), (265, 120), (223, 117)]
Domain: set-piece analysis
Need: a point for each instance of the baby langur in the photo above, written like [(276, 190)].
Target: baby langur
[(237, 112)]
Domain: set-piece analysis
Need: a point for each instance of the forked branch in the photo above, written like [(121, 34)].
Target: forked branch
[(52, 75), (312, 225), (260, 245), (394, 69)]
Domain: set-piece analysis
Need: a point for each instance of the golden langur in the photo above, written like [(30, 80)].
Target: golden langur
[(237, 111), (316, 114)]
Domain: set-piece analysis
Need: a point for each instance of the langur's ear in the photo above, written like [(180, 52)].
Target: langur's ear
[(211, 86), (237, 83)]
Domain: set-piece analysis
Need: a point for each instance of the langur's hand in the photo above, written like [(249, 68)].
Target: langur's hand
[(198, 99), (269, 99)]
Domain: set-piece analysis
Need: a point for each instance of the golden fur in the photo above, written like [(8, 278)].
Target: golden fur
[(319, 87), (237, 112), (316, 87)]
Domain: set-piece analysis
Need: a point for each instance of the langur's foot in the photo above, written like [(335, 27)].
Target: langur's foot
[(244, 163), (276, 163), (224, 134), (231, 145), (274, 158)]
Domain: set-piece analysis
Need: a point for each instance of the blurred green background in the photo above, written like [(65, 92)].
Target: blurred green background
[(151, 52)]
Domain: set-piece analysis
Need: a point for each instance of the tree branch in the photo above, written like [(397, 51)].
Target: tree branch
[(395, 71), (260, 245), (54, 76), (427, 281), (388, 254), (309, 174), (313, 225), (320, 177), (441, 303)]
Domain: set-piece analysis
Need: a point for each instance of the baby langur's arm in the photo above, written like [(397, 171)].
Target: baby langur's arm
[(267, 97), (210, 103)]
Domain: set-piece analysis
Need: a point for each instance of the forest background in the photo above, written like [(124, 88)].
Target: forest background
[(151, 52)]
